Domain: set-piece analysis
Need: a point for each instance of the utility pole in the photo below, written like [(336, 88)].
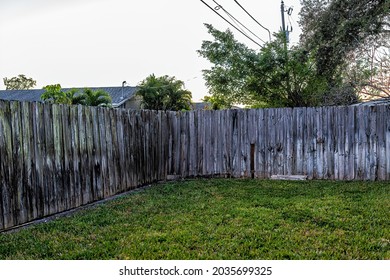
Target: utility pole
[(283, 22), (286, 31), (286, 38)]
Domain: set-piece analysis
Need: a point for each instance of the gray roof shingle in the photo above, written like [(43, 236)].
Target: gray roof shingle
[(118, 95)]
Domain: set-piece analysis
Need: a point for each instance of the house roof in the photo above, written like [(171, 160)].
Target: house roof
[(118, 95), (379, 101), (201, 105)]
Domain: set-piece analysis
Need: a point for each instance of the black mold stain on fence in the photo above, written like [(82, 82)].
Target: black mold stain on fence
[(55, 157)]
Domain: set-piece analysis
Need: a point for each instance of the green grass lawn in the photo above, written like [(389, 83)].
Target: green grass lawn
[(220, 219)]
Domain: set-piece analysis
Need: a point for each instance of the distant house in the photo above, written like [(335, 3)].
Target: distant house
[(122, 97), (201, 106), (373, 102), (206, 106)]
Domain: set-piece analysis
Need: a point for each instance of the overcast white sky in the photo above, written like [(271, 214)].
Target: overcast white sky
[(81, 43)]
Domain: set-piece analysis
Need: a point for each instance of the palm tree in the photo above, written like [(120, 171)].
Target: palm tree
[(94, 98), (54, 94), (164, 93)]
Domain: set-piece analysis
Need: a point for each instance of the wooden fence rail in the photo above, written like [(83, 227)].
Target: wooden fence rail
[(55, 157)]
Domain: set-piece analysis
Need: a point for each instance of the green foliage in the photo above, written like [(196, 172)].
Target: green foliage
[(164, 93), (219, 219), (218, 102), (274, 76), (19, 83), (55, 94), (95, 98)]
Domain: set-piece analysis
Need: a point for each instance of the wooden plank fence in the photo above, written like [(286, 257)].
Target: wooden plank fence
[(55, 157), (337, 143)]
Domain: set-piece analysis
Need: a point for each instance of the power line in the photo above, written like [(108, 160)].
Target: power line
[(236, 20), (269, 32), (231, 24), (232, 18)]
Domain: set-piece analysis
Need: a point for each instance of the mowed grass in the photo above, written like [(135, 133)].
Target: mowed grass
[(220, 219)]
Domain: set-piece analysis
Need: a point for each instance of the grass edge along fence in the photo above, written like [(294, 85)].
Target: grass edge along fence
[(58, 157)]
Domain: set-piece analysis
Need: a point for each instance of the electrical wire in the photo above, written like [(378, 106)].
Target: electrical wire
[(269, 32), (235, 27), (237, 21), (231, 17)]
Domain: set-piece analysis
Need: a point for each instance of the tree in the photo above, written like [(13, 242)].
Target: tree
[(218, 102), (272, 76), (19, 83), (54, 94), (94, 98), (164, 93), (368, 71), (333, 29)]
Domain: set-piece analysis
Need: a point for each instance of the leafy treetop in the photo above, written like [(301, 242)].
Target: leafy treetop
[(19, 83)]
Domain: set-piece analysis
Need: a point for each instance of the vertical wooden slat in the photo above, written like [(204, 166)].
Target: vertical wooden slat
[(319, 144), (126, 149), (359, 148), (96, 155), (245, 146), (309, 145), (121, 149), (58, 158), (133, 151), (330, 151), (367, 145), (115, 151), (19, 191), (67, 173), (341, 140), (27, 158), (260, 154), (39, 151), (76, 200), (280, 146), (268, 149), (48, 166), (84, 161), (226, 142), (210, 139), (288, 142), (349, 143), (387, 139), (381, 149), (6, 150), (201, 133), (165, 145), (183, 143), (235, 144), (218, 143), (193, 137), (373, 143), (177, 143), (273, 141), (90, 172), (109, 190)]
